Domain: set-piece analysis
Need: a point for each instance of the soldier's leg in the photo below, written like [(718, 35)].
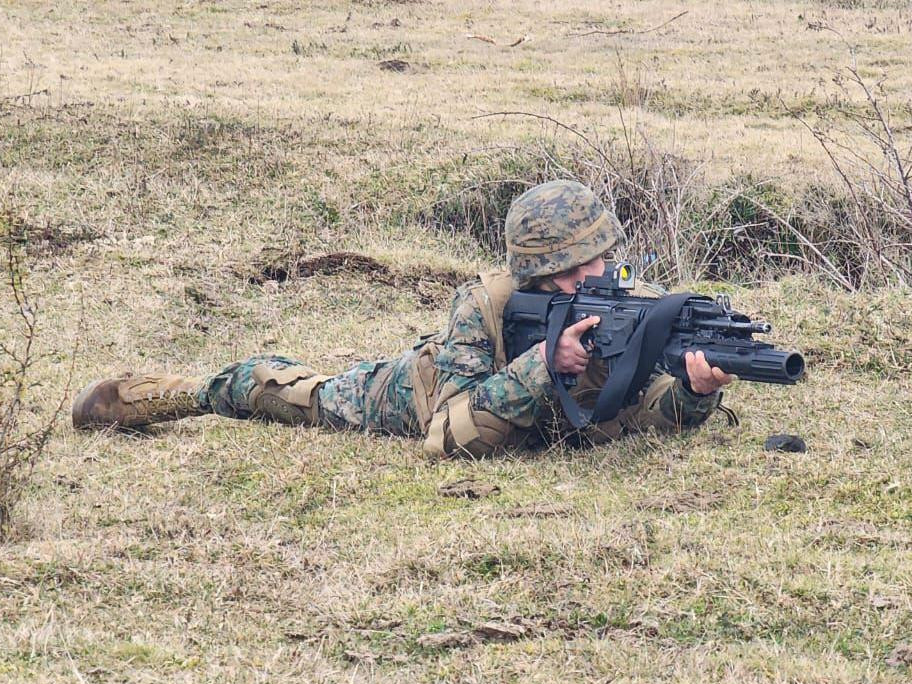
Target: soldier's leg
[(371, 396), (265, 386), (368, 396), (254, 387)]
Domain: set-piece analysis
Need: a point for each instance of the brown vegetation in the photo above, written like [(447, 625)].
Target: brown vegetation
[(23, 437), (203, 181)]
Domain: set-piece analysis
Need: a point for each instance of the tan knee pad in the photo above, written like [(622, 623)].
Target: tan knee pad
[(459, 428), (286, 395)]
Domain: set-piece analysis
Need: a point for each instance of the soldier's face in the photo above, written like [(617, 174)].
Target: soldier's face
[(567, 280)]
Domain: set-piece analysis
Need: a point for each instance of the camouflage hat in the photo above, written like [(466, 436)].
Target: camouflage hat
[(554, 227)]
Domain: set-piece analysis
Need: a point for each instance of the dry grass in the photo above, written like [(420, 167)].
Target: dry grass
[(161, 155)]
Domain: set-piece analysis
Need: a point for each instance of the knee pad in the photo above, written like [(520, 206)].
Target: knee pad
[(286, 395)]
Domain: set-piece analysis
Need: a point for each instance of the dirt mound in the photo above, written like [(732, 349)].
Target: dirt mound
[(431, 285)]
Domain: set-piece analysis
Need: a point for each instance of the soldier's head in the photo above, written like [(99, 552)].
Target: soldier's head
[(557, 232)]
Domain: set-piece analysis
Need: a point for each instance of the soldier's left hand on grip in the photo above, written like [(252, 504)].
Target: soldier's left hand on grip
[(705, 379)]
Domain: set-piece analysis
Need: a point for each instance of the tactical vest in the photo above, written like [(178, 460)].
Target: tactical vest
[(491, 294)]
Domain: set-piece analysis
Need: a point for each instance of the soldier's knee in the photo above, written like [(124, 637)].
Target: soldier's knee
[(458, 428), (286, 395)]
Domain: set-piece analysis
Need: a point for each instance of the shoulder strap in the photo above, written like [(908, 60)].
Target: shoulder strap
[(632, 369), (491, 298)]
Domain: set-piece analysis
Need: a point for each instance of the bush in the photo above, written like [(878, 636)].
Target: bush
[(677, 226), (22, 439)]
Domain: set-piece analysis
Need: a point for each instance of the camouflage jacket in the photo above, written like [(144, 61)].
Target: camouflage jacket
[(464, 359)]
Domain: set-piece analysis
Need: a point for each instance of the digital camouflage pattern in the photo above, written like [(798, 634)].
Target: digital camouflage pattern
[(368, 396), (380, 396), (554, 227)]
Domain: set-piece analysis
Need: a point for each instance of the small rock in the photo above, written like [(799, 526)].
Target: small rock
[(791, 443), (468, 488), (899, 656)]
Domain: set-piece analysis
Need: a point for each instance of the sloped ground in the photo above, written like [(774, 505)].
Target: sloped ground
[(161, 209)]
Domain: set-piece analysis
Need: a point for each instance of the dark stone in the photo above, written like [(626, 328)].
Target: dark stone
[(792, 443)]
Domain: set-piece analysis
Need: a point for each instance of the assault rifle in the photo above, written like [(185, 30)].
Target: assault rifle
[(636, 335)]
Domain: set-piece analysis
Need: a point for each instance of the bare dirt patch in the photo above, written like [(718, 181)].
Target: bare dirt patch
[(431, 286), (468, 489), (48, 238)]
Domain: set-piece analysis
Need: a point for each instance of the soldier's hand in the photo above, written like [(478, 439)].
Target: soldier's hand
[(704, 379), (570, 356)]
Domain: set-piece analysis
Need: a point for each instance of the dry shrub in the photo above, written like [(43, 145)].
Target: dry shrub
[(675, 228), (23, 436), (866, 224), (679, 228)]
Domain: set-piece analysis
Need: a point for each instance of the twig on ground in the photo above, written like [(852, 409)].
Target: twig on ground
[(488, 39), (618, 32), (484, 39), (25, 96)]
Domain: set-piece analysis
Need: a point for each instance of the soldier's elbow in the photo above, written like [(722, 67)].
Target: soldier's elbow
[(458, 429)]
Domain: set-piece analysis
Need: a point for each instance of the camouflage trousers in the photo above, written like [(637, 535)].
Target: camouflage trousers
[(372, 395)]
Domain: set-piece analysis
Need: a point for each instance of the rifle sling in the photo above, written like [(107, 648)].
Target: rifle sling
[(633, 367)]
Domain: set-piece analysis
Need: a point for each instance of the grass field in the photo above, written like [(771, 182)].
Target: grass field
[(168, 163)]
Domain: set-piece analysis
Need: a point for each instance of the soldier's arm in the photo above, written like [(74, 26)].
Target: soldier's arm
[(478, 408), (670, 406)]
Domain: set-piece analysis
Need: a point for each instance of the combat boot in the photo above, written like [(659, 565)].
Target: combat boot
[(136, 401)]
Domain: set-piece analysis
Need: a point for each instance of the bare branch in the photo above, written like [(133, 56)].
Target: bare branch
[(618, 32), (891, 150)]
